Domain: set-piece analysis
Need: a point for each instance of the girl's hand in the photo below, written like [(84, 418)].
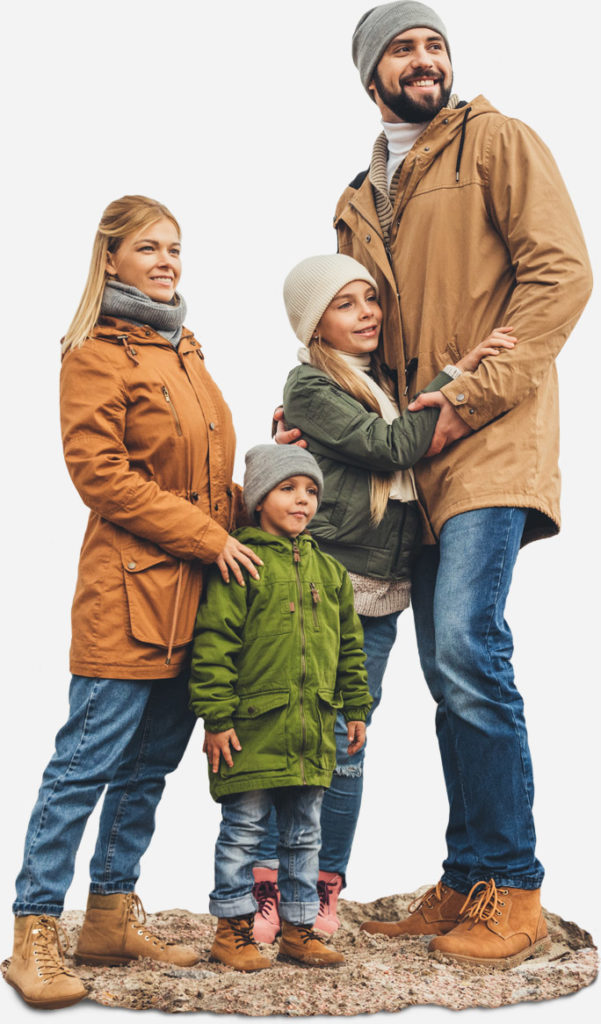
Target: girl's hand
[(233, 553), (280, 433), (356, 736), (217, 744), (499, 339)]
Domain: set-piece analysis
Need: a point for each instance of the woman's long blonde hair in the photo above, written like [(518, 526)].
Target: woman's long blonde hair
[(121, 217), (326, 358)]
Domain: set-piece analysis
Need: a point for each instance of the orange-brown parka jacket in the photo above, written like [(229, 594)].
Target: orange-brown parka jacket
[(149, 444), (483, 234)]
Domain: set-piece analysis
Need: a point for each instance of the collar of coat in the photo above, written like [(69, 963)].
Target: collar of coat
[(254, 536), (120, 332), (444, 130)]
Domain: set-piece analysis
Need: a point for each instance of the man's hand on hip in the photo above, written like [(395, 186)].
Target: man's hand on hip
[(450, 427)]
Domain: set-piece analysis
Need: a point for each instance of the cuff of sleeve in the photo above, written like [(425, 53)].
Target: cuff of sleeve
[(218, 725), (355, 715), (211, 543), (458, 394)]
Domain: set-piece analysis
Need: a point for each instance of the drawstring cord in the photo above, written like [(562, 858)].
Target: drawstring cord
[(461, 142), (178, 594)]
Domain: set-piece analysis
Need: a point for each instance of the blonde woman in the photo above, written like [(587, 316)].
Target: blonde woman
[(341, 400), (149, 444)]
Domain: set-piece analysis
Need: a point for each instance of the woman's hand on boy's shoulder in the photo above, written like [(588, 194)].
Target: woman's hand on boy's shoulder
[(232, 556), (356, 736), (220, 744)]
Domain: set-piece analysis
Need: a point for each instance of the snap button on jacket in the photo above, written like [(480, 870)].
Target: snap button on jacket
[(135, 415)]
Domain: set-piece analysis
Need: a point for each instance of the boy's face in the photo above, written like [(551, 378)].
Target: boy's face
[(289, 508)]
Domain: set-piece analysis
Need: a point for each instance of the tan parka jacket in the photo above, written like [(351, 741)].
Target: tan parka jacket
[(149, 444), (484, 234)]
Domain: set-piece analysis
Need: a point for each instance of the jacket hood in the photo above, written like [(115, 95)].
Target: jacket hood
[(254, 536)]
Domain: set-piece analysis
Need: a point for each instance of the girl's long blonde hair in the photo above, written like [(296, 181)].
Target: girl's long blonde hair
[(327, 359), (121, 217)]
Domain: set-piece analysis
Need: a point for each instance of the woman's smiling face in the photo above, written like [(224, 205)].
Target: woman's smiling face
[(150, 260)]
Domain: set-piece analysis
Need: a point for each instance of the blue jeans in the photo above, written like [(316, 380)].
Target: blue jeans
[(244, 821), (342, 800), (126, 735), (465, 645)]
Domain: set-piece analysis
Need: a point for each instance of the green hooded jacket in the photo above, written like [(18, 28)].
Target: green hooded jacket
[(276, 660)]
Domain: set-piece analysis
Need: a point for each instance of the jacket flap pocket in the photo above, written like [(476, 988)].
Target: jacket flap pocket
[(138, 560), (259, 703), (332, 699)]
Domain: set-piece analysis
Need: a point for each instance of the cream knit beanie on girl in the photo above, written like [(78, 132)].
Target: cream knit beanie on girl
[(312, 284)]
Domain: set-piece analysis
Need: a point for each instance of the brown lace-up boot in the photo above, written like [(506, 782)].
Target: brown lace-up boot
[(500, 928), (113, 934), (300, 943), (235, 946), (37, 967), (434, 913)]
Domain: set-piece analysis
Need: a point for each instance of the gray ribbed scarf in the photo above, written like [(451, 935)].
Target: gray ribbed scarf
[(129, 303)]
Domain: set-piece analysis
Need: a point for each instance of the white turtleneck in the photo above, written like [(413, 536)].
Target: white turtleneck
[(400, 136)]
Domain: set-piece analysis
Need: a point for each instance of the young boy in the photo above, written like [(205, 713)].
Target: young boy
[(272, 663)]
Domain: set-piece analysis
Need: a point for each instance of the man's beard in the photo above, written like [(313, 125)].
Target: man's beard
[(414, 111)]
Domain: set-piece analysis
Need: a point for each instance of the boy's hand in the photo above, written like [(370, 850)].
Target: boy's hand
[(217, 744), (356, 736), (498, 339)]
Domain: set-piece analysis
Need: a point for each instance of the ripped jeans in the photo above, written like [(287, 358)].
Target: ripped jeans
[(342, 801)]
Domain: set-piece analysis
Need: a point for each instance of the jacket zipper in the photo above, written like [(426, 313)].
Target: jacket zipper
[(167, 398), (315, 599), (296, 556), (385, 244)]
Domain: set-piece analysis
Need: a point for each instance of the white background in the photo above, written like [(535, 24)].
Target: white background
[(248, 120)]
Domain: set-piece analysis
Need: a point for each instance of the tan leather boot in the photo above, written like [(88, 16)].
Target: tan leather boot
[(37, 967), (234, 945), (500, 928), (113, 934), (300, 943), (434, 913)]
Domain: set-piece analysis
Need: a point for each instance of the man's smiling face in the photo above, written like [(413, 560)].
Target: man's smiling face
[(413, 79)]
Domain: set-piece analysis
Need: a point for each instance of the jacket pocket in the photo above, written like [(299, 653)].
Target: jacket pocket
[(162, 595), (260, 724), (328, 705)]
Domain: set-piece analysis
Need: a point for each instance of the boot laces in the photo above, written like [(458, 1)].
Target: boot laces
[(242, 928), (483, 903), (306, 932), (48, 950), (137, 917), (324, 891), (266, 895), (437, 892)]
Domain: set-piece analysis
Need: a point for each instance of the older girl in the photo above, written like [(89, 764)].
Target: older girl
[(341, 400), (149, 444)]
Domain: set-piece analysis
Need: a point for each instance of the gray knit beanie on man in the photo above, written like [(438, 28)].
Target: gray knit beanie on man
[(312, 284), (378, 27), (268, 464)]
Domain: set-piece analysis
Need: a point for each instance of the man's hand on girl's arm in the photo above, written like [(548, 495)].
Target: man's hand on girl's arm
[(217, 744)]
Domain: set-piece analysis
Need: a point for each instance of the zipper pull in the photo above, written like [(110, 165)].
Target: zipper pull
[(314, 593), (295, 551), (165, 393)]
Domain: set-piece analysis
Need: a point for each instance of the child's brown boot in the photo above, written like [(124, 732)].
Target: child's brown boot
[(235, 946), (113, 934), (300, 943), (37, 967)]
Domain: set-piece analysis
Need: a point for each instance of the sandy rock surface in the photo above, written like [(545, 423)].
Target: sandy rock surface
[(380, 974)]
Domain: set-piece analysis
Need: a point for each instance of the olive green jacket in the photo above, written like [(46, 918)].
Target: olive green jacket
[(349, 443), (275, 660)]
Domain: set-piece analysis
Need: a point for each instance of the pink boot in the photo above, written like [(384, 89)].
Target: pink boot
[(329, 884), (267, 918)]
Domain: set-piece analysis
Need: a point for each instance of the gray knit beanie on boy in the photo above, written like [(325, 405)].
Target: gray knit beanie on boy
[(378, 27), (268, 464), (312, 284)]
